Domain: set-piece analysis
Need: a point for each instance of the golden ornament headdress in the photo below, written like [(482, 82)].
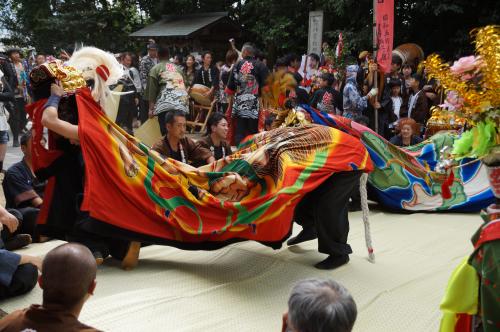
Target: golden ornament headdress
[(69, 77)]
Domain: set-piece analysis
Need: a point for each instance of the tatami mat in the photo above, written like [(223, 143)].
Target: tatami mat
[(245, 287)]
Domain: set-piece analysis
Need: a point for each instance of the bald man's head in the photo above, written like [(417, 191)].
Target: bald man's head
[(69, 273)]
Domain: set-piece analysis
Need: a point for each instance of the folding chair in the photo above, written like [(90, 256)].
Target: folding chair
[(200, 118)]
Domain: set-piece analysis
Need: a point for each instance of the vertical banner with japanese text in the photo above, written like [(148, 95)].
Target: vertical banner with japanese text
[(385, 33), (315, 37)]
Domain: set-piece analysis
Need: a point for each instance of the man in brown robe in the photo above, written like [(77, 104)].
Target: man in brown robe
[(177, 146), (215, 139), (65, 291)]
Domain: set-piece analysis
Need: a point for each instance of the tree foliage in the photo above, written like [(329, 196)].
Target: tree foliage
[(277, 26), (49, 25)]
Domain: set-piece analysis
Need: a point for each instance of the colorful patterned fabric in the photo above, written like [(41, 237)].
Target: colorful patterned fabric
[(403, 178), (472, 298), (250, 195), (460, 301), (486, 262)]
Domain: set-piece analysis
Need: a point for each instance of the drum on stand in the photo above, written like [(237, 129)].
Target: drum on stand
[(409, 53), (198, 92)]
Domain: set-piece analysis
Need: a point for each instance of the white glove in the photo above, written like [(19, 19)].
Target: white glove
[(373, 92)]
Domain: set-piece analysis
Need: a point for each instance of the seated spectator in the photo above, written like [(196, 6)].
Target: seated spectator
[(326, 98), (17, 234), (18, 273), (65, 291), (418, 108), (215, 138), (317, 305), (407, 129), (176, 145), (21, 187), (22, 190)]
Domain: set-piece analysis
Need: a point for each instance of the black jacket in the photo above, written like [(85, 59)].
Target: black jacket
[(208, 78), (8, 71), (6, 92)]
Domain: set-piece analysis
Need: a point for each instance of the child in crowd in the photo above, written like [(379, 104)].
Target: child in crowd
[(407, 72), (326, 98), (394, 107)]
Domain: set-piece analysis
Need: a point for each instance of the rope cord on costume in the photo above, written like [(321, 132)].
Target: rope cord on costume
[(212, 149), (183, 157), (364, 206), (209, 75)]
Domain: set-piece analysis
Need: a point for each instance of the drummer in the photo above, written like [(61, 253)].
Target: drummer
[(208, 74), (215, 138)]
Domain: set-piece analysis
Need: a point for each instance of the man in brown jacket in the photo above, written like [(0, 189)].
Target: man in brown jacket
[(215, 139), (177, 146)]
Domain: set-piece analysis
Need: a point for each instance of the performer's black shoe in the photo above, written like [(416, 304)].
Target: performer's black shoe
[(306, 234), (332, 262), (15, 144), (354, 206)]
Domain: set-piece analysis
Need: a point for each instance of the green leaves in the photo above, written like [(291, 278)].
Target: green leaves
[(52, 25), (277, 26)]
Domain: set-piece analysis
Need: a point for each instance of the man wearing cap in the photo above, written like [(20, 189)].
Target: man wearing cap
[(147, 62)]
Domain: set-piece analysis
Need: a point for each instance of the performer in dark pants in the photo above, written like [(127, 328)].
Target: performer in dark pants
[(323, 214), (61, 215)]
